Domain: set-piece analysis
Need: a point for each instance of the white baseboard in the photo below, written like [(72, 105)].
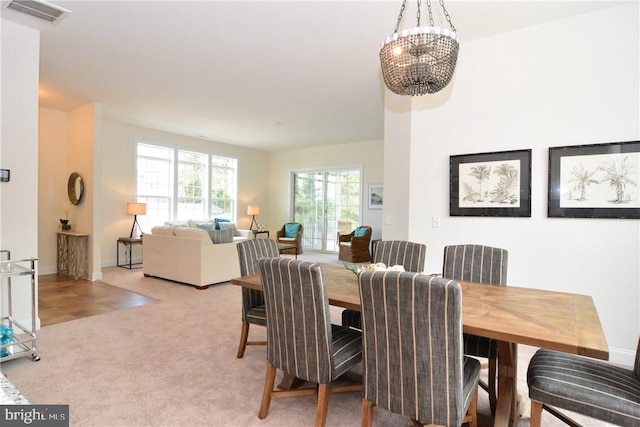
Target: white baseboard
[(623, 357)]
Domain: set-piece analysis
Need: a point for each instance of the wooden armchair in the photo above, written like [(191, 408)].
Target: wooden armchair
[(284, 235), (354, 247)]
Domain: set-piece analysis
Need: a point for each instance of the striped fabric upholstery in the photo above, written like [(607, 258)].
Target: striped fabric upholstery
[(410, 255), (391, 252), (249, 251), (480, 264), (476, 263), (588, 386), (413, 359), (253, 311), (301, 339)]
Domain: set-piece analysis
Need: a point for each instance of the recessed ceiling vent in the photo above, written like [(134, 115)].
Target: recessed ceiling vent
[(39, 9)]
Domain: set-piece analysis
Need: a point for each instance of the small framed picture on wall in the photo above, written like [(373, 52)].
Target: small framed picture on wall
[(375, 196)]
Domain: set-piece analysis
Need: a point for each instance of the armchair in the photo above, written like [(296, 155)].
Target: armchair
[(291, 234), (354, 247)]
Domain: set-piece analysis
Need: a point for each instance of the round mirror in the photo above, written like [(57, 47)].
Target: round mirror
[(75, 188)]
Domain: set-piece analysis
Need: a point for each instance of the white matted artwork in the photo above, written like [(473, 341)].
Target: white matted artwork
[(595, 181), (375, 196)]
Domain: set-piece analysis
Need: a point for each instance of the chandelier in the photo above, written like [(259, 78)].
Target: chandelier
[(419, 60)]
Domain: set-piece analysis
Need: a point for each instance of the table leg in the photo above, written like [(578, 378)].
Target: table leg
[(507, 408)]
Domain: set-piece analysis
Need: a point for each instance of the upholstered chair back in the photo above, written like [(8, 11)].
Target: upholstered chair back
[(249, 251), (412, 346), (636, 365), (299, 339), (410, 255), (476, 263)]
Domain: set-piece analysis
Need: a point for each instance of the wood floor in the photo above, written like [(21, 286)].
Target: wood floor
[(62, 298)]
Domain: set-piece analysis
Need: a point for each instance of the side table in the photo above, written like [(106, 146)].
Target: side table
[(128, 252), (256, 232)]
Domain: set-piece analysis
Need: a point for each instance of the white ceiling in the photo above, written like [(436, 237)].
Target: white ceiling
[(268, 75)]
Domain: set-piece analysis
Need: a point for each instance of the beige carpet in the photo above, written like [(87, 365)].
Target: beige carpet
[(173, 363)]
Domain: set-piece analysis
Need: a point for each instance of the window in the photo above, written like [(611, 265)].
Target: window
[(324, 202), (180, 185)]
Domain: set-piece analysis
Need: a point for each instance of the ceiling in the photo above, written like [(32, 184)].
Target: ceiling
[(267, 75)]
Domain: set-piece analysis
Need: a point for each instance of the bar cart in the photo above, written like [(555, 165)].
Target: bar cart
[(16, 340)]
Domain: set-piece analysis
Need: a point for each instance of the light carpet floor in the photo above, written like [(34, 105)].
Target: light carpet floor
[(173, 363)]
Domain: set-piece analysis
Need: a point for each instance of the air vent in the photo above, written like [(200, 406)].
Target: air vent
[(39, 9)]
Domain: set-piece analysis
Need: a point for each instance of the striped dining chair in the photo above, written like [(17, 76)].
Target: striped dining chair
[(410, 255), (480, 264), (587, 386), (253, 311), (301, 341), (413, 363)]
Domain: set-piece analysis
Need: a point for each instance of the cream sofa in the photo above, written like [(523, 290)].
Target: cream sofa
[(188, 255)]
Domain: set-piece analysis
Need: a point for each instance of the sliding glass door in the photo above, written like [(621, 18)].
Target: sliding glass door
[(326, 202)]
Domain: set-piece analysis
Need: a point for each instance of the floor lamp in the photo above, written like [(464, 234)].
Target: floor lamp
[(136, 209), (253, 210)]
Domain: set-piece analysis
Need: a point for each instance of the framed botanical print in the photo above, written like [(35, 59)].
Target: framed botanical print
[(490, 184), (595, 181)]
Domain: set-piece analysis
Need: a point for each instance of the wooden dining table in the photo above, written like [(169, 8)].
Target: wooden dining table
[(511, 315)]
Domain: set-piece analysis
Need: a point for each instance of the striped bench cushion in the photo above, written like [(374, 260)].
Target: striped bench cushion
[(587, 386)]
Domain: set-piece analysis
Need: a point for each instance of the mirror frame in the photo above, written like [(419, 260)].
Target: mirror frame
[(75, 188)]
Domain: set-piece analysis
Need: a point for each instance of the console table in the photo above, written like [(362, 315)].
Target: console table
[(73, 253)]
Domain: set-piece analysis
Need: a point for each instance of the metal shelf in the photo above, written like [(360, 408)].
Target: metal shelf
[(23, 342)]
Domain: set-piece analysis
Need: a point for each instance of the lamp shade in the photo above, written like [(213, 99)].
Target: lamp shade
[(136, 208), (253, 210)]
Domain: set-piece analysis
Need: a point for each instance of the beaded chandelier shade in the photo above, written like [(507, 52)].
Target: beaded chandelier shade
[(419, 60)]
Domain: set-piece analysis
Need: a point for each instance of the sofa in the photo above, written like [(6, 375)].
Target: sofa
[(189, 255)]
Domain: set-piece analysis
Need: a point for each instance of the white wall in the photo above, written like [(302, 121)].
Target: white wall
[(20, 52), (53, 202), (368, 155), (117, 160), (571, 82), (83, 145)]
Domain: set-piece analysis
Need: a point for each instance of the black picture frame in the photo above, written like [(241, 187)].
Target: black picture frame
[(595, 181), (507, 190)]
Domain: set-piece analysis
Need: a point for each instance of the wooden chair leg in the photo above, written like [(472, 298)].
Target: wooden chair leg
[(367, 413), (473, 409), (324, 391), (244, 335), (493, 398), (536, 413), (269, 381)]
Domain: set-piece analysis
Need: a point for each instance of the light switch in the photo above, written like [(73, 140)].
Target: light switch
[(388, 219), (435, 221)]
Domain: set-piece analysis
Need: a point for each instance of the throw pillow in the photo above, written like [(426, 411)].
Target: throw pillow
[(193, 222), (228, 226), (204, 225), (290, 230), (221, 236), (360, 232), (219, 220)]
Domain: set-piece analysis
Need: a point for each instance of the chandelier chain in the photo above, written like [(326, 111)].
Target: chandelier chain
[(429, 9), (446, 15), (404, 3)]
